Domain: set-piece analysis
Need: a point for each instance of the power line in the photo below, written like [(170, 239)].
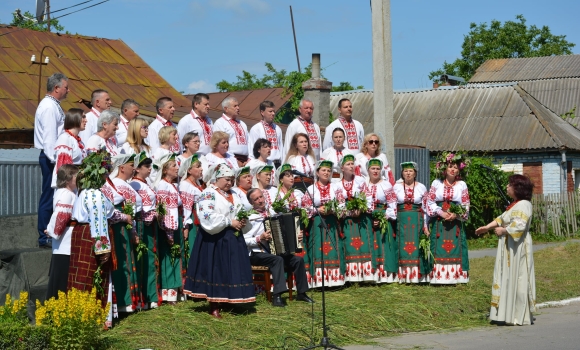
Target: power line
[(66, 8)]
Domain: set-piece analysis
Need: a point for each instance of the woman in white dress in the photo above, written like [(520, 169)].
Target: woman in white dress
[(301, 157), (107, 126), (69, 148), (261, 151), (137, 133), (243, 185), (336, 152), (372, 149), (513, 293), (220, 144)]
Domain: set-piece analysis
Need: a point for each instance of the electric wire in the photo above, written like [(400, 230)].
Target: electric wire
[(66, 8)]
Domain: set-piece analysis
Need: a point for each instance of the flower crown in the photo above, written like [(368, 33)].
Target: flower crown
[(445, 158), (94, 169)]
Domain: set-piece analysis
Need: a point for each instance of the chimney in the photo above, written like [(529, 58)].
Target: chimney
[(317, 90)]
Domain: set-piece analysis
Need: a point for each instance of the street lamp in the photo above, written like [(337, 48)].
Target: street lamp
[(46, 61)]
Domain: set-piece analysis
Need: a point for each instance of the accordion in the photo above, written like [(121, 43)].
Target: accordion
[(285, 229)]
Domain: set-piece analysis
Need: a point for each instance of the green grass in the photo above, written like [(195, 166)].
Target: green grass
[(355, 314), (489, 240)]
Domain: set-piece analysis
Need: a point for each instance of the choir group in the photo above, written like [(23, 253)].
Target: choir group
[(151, 213)]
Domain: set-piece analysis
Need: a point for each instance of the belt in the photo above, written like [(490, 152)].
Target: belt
[(73, 223), (299, 179)]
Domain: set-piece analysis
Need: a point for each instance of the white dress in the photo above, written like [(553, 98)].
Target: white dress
[(67, 151), (190, 195), (148, 198), (335, 157), (361, 160)]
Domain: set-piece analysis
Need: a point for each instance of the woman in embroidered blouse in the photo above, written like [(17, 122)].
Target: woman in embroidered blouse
[(137, 133), (190, 188), (261, 151), (317, 195), (448, 240), (513, 295), (301, 157), (69, 149), (335, 153), (171, 227), (107, 126), (413, 266), (167, 139), (382, 199), (191, 143), (60, 229), (219, 269), (243, 185), (372, 149), (148, 266), (285, 184), (355, 227), (219, 143), (262, 179)]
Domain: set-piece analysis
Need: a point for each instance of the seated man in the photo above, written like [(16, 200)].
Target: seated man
[(257, 240)]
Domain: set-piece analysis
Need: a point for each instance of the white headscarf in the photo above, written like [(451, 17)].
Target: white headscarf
[(117, 161), (184, 167), (254, 172), (159, 163)]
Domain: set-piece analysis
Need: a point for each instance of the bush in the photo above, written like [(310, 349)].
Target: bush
[(24, 337)]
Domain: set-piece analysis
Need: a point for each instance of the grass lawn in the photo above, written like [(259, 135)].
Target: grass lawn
[(355, 314), (489, 240)]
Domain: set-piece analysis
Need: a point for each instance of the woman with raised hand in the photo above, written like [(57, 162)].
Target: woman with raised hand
[(301, 157), (336, 153), (107, 126), (447, 205), (513, 295), (382, 203), (190, 188), (137, 133), (413, 265), (219, 269), (69, 148), (317, 195), (372, 149)]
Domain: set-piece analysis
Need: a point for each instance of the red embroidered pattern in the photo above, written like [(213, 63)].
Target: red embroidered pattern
[(311, 131), (324, 192), (267, 197), (270, 134), (187, 200), (305, 164), (240, 134), (81, 145), (62, 220), (63, 158), (127, 192), (145, 197), (409, 194), (107, 192), (207, 131), (164, 122), (169, 198), (350, 130), (292, 201), (348, 185)]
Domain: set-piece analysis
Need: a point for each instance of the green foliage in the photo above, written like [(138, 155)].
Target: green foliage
[(512, 39), (24, 337), (346, 86), (571, 114), (486, 202), (28, 23)]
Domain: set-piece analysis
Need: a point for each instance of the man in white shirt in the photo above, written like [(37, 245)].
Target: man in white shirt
[(353, 130), (258, 242), (129, 111), (304, 124), (165, 111), (198, 121), (267, 129), (101, 101), (48, 125), (236, 128)]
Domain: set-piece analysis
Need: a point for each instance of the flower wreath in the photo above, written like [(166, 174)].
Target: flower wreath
[(445, 158), (95, 169)]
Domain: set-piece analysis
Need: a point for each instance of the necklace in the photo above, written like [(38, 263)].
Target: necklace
[(324, 191), (348, 185), (449, 184), (511, 205), (76, 137), (410, 193)]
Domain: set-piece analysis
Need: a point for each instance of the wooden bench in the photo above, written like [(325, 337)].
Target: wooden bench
[(263, 277)]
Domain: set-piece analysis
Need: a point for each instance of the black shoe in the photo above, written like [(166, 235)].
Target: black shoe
[(305, 298), (277, 300)]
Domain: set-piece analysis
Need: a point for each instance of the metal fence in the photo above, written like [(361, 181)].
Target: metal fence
[(417, 155)]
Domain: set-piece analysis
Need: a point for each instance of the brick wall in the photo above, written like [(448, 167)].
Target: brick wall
[(534, 171)]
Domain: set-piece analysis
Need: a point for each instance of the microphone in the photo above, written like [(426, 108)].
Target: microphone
[(486, 167), (297, 173)]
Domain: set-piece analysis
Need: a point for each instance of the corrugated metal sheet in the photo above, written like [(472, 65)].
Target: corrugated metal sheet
[(532, 68), (20, 186), (89, 63), (417, 155), (362, 106)]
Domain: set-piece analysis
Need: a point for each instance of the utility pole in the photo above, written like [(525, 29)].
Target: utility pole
[(48, 14), (383, 76)]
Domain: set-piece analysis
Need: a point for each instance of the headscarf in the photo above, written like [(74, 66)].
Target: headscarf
[(322, 164), (184, 167), (281, 169), (118, 160), (158, 165), (259, 169)]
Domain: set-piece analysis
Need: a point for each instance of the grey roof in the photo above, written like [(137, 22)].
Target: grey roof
[(532, 68), (19, 156)]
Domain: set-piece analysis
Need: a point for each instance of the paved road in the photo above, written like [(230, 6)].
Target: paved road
[(555, 329)]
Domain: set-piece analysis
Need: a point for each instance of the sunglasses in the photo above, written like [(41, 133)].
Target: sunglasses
[(376, 142), (145, 127)]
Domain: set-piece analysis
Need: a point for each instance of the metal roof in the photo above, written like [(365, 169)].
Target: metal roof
[(532, 68), (19, 156), (90, 63), (474, 118)]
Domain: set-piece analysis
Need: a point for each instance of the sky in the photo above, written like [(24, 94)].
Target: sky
[(193, 44)]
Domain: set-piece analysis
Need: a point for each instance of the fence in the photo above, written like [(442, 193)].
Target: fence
[(556, 213)]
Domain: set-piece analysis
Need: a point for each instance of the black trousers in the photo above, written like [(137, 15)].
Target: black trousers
[(276, 264)]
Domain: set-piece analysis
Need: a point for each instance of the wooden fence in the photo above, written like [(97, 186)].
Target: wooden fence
[(557, 213)]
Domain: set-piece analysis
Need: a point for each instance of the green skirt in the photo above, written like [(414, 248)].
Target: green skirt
[(386, 251), (171, 268), (190, 240), (356, 241), (148, 265), (330, 247), (409, 230)]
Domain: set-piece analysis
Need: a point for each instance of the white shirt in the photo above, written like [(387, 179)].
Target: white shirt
[(336, 158), (258, 131), (127, 149), (238, 141), (67, 151), (58, 227), (242, 197), (382, 193), (96, 142), (194, 123), (92, 207), (190, 195), (296, 127), (91, 127), (457, 194), (168, 194), (253, 229), (360, 167), (121, 133), (48, 125), (358, 136), (148, 198), (153, 137), (303, 164), (215, 212)]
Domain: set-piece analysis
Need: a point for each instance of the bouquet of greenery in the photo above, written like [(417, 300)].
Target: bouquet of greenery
[(141, 249), (457, 209), (331, 207), (425, 247), (243, 214), (357, 203), (304, 219), (383, 222), (98, 281), (279, 205), (161, 209), (186, 249), (129, 209), (175, 253)]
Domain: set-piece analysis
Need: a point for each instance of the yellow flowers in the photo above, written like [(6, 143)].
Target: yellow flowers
[(14, 310)]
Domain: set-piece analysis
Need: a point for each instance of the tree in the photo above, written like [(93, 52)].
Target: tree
[(510, 40), (346, 86), (27, 22)]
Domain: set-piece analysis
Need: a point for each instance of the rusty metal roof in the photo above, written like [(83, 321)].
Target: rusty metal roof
[(249, 101), (532, 68), (90, 63)]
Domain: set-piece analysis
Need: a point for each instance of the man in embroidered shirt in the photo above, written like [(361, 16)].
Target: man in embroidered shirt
[(165, 111), (267, 129), (258, 242), (48, 125), (304, 124), (100, 100), (236, 128), (353, 130), (198, 121), (129, 111)]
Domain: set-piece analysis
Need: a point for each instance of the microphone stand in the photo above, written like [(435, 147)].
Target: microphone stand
[(324, 341), (507, 202)]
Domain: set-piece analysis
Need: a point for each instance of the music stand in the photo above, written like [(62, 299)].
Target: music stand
[(324, 341)]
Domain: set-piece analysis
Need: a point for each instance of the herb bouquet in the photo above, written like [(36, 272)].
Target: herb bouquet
[(357, 203), (243, 214), (129, 209), (425, 247)]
